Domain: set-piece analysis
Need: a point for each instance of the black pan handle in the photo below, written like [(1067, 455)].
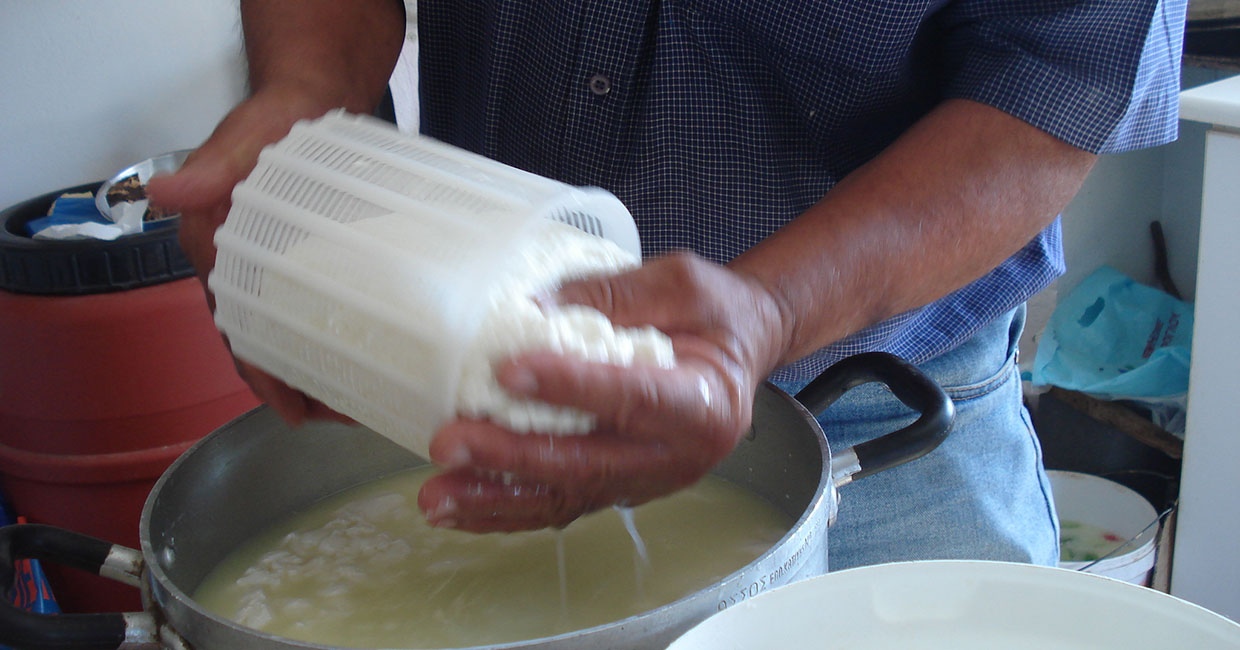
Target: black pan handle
[(31, 631), (910, 386)]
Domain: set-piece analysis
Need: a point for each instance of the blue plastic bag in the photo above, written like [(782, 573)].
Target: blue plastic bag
[(1116, 339)]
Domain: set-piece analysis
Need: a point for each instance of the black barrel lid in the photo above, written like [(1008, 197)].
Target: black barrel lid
[(84, 266)]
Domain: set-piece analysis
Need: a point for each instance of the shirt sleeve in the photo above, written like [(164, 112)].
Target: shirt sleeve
[(1102, 75)]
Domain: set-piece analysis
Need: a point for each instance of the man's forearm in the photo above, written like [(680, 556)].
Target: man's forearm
[(962, 190), (339, 54)]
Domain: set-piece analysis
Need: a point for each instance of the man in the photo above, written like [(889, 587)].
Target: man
[(848, 176)]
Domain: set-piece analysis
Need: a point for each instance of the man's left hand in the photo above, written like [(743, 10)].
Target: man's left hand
[(658, 429)]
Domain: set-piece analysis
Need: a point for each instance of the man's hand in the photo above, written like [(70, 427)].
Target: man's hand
[(305, 58), (658, 429), (201, 192)]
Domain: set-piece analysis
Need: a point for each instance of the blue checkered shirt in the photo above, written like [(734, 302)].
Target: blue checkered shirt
[(716, 122)]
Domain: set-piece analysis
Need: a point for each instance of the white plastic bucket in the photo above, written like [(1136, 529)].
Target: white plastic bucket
[(1090, 499), (963, 605)]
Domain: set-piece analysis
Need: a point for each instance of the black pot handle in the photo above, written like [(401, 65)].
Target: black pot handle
[(31, 631), (910, 385)]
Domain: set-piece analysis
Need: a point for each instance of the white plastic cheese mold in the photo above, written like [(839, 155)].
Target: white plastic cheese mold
[(384, 273)]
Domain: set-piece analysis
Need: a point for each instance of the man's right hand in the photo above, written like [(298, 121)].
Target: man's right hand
[(201, 192)]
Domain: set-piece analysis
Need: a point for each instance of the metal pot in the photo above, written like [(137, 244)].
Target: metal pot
[(255, 470)]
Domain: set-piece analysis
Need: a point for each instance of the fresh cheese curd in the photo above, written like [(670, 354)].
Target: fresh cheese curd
[(364, 569), (514, 322)]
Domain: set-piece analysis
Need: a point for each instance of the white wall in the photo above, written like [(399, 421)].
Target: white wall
[(88, 88), (1108, 221)]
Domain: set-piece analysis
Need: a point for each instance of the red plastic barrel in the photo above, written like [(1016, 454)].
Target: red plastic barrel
[(102, 391)]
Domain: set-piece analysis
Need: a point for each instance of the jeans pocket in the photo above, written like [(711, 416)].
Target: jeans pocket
[(986, 385)]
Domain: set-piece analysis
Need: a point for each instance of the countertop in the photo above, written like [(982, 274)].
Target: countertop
[(1215, 103)]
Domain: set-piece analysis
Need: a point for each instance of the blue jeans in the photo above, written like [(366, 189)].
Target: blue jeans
[(982, 494)]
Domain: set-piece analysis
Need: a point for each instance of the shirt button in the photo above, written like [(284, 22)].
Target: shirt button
[(600, 84)]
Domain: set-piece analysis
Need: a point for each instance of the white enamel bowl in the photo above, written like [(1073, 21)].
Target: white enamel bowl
[(962, 605)]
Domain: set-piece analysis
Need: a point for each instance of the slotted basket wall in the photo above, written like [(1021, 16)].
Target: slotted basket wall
[(353, 255)]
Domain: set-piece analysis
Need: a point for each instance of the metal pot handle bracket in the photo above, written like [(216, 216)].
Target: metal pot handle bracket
[(910, 386), (28, 630)]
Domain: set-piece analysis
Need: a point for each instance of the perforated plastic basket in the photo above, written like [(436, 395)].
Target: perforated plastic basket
[(352, 260)]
